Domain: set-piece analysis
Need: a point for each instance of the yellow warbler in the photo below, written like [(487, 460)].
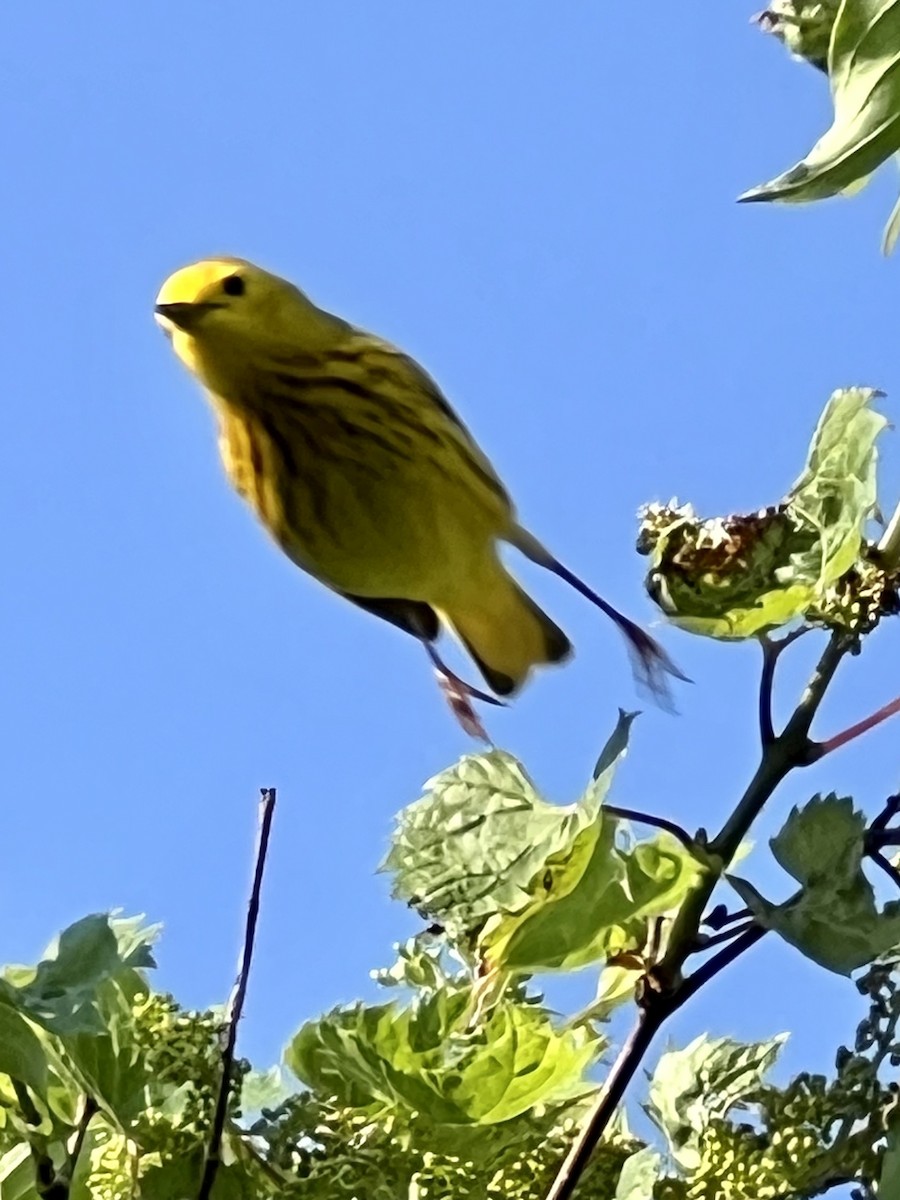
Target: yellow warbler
[(356, 464)]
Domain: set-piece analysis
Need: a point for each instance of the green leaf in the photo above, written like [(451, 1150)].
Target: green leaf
[(733, 577), (263, 1089), (23, 1056), (17, 1174), (834, 919), (594, 902), (425, 1058), (542, 887), (865, 82), (701, 1083), (639, 1175), (475, 841), (889, 1178), (61, 991)]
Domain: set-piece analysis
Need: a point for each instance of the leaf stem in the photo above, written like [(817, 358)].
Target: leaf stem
[(748, 937), (630, 814), (235, 1005), (820, 749)]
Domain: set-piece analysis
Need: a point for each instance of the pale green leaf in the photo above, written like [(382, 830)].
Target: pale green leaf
[(865, 82), (703, 1082), (475, 841), (639, 1175), (17, 1174)]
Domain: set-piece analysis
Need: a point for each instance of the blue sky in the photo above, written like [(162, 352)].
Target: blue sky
[(537, 202)]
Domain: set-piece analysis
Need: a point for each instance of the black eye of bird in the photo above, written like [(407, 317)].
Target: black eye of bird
[(233, 286)]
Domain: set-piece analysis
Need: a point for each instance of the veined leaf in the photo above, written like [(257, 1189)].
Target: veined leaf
[(703, 1082), (834, 919), (864, 69), (424, 1058)]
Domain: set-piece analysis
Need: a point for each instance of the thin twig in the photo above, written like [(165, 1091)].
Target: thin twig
[(720, 917), (772, 649), (889, 811), (707, 941), (627, 1062), (235, 1005), (631, 814), (888, 867), (717, 963), (820, 749)]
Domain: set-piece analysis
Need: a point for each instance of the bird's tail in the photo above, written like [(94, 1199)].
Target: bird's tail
[(504, 630)]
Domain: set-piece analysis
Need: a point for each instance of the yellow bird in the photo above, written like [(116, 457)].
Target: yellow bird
[(363, 474)]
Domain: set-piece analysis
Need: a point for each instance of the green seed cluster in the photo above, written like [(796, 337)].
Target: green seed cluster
[(113, 1167), (813, 1133)]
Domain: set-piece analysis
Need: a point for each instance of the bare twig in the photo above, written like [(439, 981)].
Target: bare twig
[(235, 1005), (766, 684), (772, 650), (888, 867), (749, 937), (642, 818), (706, 941)]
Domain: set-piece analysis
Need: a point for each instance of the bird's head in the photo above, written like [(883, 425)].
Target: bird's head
[(228, 308)]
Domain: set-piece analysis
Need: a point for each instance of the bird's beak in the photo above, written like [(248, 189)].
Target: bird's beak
[(183, 316)]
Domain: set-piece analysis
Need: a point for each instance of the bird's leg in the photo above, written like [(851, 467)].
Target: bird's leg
[(651, 664), (459, 695), (649, 660)]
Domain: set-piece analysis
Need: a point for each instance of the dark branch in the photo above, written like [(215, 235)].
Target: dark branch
[(665, 988), (771, 653), (720, 917), (749, 937), (236, 1000), (889, 869), (601, 1114), (766, 683)]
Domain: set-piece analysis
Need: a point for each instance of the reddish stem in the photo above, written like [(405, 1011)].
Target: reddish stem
[(820, 749)]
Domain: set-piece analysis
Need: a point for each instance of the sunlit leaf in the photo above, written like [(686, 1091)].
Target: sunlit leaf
[(425, 1058), (865, 83), (639, 1175), (703, 1082)]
